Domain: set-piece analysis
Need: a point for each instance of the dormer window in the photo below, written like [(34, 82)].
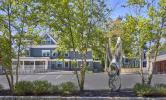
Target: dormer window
[(46, 41), (45, 53)]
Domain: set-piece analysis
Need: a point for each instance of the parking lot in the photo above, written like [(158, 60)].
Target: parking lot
[(92, 80)]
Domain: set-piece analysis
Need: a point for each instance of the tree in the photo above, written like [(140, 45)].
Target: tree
[(158, 20), (17, 26), (149, 29), (24, 29), (6, 18), (76, 22)]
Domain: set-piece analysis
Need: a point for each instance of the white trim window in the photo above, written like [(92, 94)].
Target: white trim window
[(59, 64), (66, 64), (66, 54), (88, 64), (45, 53), (46, 41)]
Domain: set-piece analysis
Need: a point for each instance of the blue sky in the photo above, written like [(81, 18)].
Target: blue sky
[(118, 10)]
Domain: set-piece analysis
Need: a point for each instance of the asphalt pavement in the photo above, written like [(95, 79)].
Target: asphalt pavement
[(93, 81)]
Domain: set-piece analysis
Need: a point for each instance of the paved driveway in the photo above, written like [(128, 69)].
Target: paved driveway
[(92, 80)]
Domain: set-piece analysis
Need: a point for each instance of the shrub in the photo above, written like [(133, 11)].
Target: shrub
[(160, 85), (161, 89), (143, 89), (41, 87), (23, 87), (53, 89), (1, 87), (67, 88)]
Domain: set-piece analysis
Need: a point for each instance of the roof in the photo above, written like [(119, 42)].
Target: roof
[(50, 36), (160, 57)]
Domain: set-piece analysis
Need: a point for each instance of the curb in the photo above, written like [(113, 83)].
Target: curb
[(76, 98)]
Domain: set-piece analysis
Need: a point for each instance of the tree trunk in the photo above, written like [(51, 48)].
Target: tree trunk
[(10, 49), (106, 62), (18, 63), (76, 72), (150, 75), (82, 71), (141, 65), (148, 61), (8, 78)]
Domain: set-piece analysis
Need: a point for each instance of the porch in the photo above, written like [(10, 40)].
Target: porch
[(31, 64), (66, 64)]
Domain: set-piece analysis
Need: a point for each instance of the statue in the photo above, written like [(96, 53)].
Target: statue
[(114, 73)]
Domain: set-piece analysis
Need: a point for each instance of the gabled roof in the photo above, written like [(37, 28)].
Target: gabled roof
[(50, 37)]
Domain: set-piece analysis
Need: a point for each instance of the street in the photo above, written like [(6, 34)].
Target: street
[(92, 80)]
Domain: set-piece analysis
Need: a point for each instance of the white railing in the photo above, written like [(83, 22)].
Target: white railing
[(30, 68)]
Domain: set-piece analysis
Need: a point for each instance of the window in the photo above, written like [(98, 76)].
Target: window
[(87, 63), (126, 60), (45, 53), (46, 41), (53, 54), (59, 64), (144, 64), (27, 53), (66, 64), (66, 54)]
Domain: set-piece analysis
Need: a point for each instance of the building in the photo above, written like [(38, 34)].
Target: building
[(160, 64), (44, 57), (130, 63)]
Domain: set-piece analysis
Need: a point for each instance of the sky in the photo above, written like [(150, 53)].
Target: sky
[(117, 9)]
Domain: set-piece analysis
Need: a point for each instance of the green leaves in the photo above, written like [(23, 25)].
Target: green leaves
[(17, 26), (151, 11), (136, 2)]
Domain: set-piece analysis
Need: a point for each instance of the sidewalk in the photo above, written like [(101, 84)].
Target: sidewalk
[(75, 98)]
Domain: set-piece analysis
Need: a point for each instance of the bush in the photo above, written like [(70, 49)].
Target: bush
[(54, 89), (147, 90), (23, 88), (1, 87), (41, 87), (161, 89), (143, 89), (160, 85), (67, 88)]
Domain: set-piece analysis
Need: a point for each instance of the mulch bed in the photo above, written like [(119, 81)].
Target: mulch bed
[(92, 93), (107, 93), (87, 93)]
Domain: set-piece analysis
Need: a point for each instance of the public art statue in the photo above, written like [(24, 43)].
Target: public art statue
[(114, 68)]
